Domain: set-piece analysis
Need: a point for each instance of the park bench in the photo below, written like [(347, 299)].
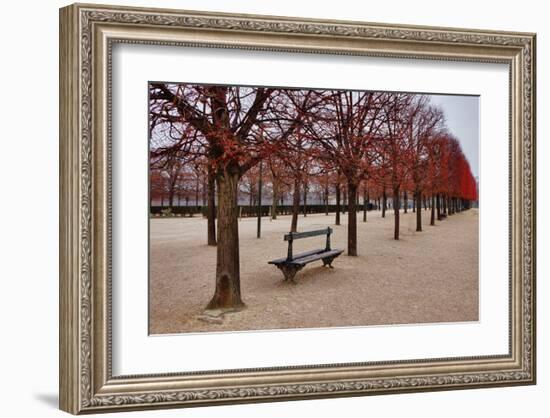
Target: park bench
[(293, 263)]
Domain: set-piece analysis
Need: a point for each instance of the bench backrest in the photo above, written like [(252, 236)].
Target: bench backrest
[(298, 235), (291, 236)]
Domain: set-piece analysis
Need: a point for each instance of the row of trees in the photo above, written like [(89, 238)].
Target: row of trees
[(186, 186), (377, 144)]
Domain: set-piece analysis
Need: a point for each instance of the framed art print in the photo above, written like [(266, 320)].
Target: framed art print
[(259, 208)]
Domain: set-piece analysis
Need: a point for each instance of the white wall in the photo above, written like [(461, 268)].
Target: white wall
[(28, 221)]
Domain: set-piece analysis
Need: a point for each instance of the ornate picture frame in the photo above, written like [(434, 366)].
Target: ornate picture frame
[(87, 34)]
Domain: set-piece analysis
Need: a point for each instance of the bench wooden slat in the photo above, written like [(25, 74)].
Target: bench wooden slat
[(304, 254), (314, 257), (306, 234)]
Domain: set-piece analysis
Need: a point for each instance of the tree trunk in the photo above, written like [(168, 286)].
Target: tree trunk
[(305, 199), (197, 186), (365, 203), (352, 219), (405, 202), (259, 201), (211, 209), (396, 213), (418, 211), (295, 206), (432, 214), (228, 283), (414, 202), (171, 198), (205, 190), (438, 203), (384, 203), (326, 200), (337, 221), (274, 200), (344, 200)]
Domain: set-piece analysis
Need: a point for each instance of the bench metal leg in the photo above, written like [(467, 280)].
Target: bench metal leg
[(289, 271), (328, 261)]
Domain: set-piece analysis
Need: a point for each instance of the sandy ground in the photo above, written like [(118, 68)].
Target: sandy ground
[(429, 276)]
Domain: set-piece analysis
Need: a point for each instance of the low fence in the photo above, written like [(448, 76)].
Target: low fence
[(177, 210), (246, 211)]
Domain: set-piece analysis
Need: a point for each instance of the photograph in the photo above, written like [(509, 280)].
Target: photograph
[(277, 208)]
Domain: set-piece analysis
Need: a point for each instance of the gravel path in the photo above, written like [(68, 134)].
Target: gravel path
[(429, 276)]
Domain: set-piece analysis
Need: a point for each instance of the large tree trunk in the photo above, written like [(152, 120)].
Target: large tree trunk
[(396, 213), (438, 202), (228, 283), (337, 221), (352, 219), (432, 214), (295, 206), (405, 202), (418, 197), (211, 209)]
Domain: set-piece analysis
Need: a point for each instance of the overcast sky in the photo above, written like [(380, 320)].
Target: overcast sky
[(462, 118)]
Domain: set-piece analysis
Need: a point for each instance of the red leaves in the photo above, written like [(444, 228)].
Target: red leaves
[(449, 170), (395, 140)]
